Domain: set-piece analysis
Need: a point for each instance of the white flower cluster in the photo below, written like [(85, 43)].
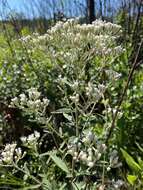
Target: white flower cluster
[(75, 85), (75, 98), (113, 185), (66, 40), (31, 140), (111, 112), (8, 153), (31, 101), (88, 151), (114, 160), (98, 27), (118, 184), (113, 75), (25, 38), (95, 92), (89, 137), (11, 154), (90, 157)]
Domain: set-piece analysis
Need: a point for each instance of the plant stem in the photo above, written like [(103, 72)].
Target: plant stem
[(103, 172), (31, 176), (76, 120)]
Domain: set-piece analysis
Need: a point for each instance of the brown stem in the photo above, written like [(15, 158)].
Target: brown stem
[(123, 94)]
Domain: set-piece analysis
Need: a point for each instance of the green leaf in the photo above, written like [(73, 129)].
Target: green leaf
[(131, 162), (68, 117), (131, 179), (59, 162)]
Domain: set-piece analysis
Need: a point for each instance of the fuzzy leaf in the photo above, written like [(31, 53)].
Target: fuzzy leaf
[(68, 117), (59, 162)]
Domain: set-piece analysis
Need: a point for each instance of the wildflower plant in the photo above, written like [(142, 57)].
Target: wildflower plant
[(71, 79)]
